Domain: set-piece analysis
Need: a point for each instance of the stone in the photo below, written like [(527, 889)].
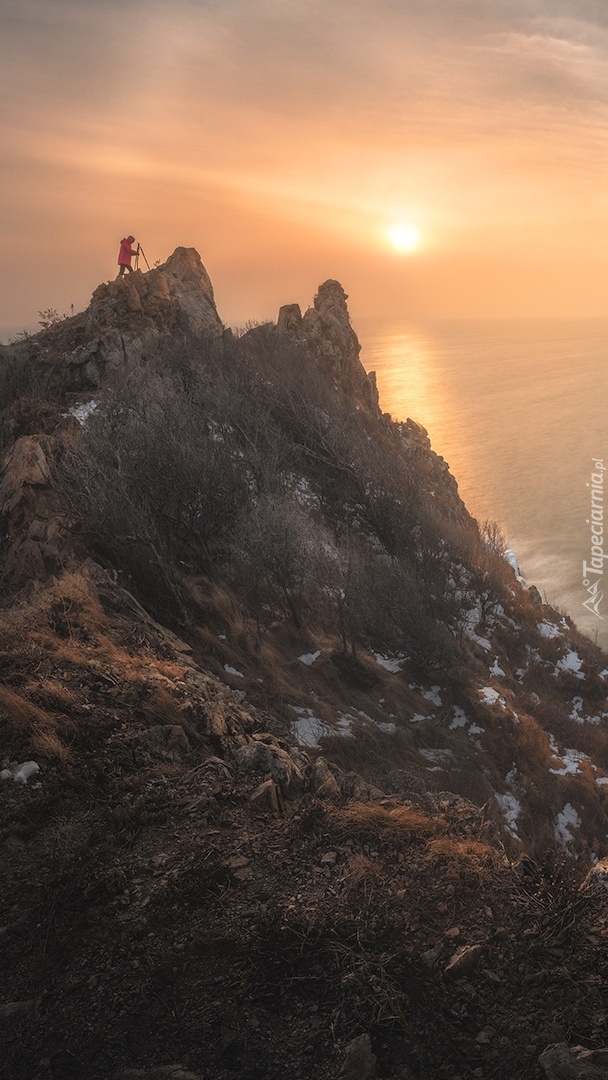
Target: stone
[(328, 333), (563, 1062), (359, 1062), (431, 956), (270, 761), (21, 1010), (25, 465), (464, 960), (168, 742), (324, 783), (267, 799), (596, 880), (353, 786)]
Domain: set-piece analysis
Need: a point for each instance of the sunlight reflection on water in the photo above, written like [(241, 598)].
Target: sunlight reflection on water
[(518, 410)]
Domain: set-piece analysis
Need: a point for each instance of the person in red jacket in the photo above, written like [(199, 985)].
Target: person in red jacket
[(125, 255)]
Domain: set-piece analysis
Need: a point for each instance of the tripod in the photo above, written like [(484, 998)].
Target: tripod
[(140, 251)]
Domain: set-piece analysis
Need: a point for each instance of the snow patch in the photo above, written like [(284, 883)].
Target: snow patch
[(433, 695), (83, 411), (308, 729), (580, 718), (474, 729), (233, 671), (437, 755), (570, 662), (490, 696), (564, 823), (511, 558), (346, 720), (20, 773), (496, 669), (511, 808), (384, 725), (309, 658), (470, 621), (390, 663), (548, 630), (460, 719), (570, 761)]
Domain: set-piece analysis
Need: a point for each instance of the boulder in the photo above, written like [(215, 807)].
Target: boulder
[(323, 781), (267, 799), (359, 1062), (596, 880), (563, 1062), (168, 742), (272, 762)]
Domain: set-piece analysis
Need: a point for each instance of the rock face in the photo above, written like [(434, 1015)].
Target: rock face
[(325, 331), (127, 316), (177, 294), (128, 319), (31, 526)]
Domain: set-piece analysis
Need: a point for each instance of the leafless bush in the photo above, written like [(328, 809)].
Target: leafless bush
[(22, 377), (286, 559), (155, 482)]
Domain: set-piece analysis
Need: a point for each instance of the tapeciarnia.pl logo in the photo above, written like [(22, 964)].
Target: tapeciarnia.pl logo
[(593, 571)]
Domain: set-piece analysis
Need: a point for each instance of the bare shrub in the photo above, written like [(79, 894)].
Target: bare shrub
[(155, 482), (492, 536), (285, 556), (22, 379)]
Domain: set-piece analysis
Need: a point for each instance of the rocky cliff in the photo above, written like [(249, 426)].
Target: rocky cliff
[(297, 778)]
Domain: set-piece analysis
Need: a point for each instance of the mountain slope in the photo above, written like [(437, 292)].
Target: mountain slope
[(295, 718)]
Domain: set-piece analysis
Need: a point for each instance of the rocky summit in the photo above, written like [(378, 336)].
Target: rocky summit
[(299, 778)]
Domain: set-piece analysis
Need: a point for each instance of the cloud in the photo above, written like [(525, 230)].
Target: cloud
[(478, 121)]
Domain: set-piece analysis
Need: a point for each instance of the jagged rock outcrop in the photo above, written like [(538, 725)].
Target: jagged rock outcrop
[(325, 330), (128, 319), (31, 526), (175, 295)]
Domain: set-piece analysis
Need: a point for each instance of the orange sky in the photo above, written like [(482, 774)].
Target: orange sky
[(283, 141)]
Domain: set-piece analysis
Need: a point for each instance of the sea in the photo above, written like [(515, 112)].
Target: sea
[(519, 410)]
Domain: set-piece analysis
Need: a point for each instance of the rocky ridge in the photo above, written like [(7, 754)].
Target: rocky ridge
[(187, 881)]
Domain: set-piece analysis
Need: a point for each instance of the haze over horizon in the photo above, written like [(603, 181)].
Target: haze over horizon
[(285, 142)]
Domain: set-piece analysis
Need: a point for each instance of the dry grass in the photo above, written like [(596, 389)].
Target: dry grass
[(400, 824), (471, 854), (362, 873), (215, 604), (161, 708), (29, 729), (55, 694)]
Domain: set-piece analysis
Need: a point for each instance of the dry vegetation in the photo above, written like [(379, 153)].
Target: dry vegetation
[(156, 908)]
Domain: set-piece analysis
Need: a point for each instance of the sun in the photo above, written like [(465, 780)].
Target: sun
[(405, 238)]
